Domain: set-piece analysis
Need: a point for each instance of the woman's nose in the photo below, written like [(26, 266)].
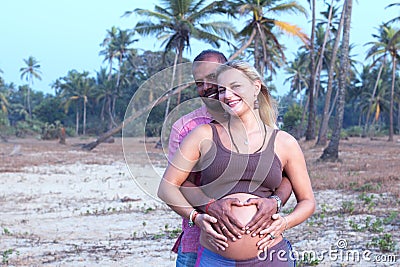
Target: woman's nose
[(228, 93)]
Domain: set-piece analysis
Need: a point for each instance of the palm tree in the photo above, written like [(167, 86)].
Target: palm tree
[(388, 44), (323, 38), (30, 72), (104, 92), (176, 22), (380, 101), (297, 69), (109, 51), (331, 152), (72, 88), (116, 45), (310, 132), (258, 29), (396, 18), (4, 105), (4, 101), (322, 134)]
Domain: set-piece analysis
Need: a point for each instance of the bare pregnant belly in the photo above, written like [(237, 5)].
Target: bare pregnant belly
[(246, 247)]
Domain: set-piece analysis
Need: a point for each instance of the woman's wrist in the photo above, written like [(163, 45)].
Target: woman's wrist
[(286, 223)]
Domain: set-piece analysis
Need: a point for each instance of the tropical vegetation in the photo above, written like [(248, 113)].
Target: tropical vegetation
[(331, 95)]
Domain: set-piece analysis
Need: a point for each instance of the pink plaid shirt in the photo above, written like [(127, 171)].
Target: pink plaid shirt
[(189, 239)]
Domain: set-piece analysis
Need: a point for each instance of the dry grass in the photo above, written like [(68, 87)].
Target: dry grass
[(63, 205)]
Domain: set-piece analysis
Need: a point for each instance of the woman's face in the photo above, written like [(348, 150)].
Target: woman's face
[(237, 91)]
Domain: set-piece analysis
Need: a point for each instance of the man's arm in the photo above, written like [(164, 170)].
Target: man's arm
[(266, 207), (284, 190)]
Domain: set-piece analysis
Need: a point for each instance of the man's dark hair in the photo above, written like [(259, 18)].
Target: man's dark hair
[(206, 54)]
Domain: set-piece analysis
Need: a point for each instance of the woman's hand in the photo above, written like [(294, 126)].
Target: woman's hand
[(205, 222), (266, 207), (227, 224), (274, 230)]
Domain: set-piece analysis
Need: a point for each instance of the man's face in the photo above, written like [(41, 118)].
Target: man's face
[(204, 76), (205, 79)]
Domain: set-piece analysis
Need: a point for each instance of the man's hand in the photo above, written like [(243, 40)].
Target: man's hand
[(205, 222), (227, 225), (275, 229), (266, 207)]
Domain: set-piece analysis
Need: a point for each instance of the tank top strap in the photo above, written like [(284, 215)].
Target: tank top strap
[(215, 136), (271, 141)]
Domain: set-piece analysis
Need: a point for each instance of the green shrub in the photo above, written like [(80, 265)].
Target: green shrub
[(292, 121), (51, 131), (354, 131)]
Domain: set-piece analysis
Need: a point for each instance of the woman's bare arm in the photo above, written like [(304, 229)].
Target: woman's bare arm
[(295, 167)]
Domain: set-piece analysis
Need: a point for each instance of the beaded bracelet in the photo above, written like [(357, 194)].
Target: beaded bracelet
[(191, 219)]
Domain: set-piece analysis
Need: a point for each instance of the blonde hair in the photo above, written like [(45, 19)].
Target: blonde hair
[(268, 106)]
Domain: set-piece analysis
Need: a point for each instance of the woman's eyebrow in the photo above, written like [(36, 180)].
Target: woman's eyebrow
[(234, 83)]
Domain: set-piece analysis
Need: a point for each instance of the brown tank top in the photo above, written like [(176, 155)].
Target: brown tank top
[(226, 172)]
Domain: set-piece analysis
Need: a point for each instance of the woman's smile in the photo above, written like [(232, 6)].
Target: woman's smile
[(234, 103)]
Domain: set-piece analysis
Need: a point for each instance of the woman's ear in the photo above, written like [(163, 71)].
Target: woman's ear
[(257, 85)]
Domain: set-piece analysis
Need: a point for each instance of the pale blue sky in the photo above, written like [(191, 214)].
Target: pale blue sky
[(65, 34)]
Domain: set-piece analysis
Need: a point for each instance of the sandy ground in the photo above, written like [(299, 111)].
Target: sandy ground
[(62, 206)]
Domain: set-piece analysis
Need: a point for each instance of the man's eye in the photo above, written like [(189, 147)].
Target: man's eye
[(199, 84), (221, 90), (211, 77)]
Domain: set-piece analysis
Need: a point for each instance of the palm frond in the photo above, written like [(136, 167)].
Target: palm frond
[(152, 14), (291, 7), (223, 28), (147, 28), (293, 30)]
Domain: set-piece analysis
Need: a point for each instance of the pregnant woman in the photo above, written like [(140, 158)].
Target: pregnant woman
[(242, 157)]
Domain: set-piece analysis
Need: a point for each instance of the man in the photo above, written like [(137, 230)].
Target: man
[(186, 246)]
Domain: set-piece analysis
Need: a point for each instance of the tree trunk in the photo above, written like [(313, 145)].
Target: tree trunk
[(102, 110), (110, 71), (84, 115), (322, 52), (391, 131), (332, 151), (111, 132), (171, 86), (323, 130), (398, 118), (366, 126), (245, 45), (263, 53), (300, 129), (180, 58), (116, 93), (77, 122), (257, 55), (29, 102), (310, 132)]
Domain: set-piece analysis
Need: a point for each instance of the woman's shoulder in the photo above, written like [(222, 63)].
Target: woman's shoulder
[(285, 139), (203, 130)]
